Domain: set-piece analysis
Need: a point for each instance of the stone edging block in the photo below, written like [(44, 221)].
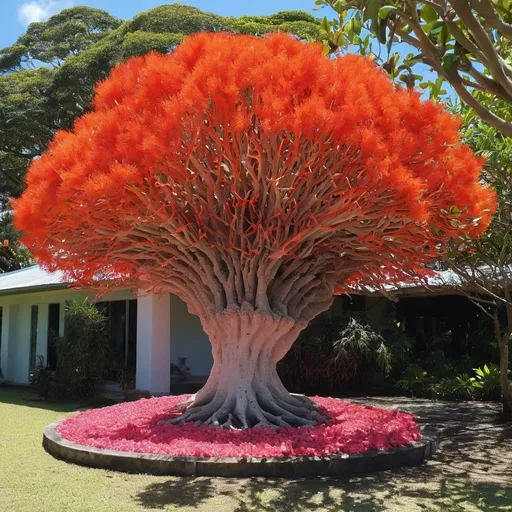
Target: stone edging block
[(287, 467)]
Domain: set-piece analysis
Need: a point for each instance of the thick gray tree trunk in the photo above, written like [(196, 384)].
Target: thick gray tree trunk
[(244, 389)]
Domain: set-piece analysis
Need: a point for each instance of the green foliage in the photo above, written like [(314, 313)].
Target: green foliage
[(43, 380), (461, 387), (52, 42), (13, 255), (82, 353), (476, 61), (416, 381), (495, 246), (487, 381), (26, 125), (400, 345), (135, 43), (357, 345), (484, 384), (333, 355)]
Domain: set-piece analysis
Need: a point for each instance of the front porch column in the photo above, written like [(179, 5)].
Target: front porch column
[(154, 343)]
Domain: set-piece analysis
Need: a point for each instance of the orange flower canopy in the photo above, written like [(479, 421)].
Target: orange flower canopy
[(255, 178), (253, 147)]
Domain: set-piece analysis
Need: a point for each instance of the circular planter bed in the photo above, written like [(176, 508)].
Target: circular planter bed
[(133, 437)]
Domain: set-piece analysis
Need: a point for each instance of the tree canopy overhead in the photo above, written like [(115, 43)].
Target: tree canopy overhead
[(254, 178), (47, 76), (51, 42), (468, 43)]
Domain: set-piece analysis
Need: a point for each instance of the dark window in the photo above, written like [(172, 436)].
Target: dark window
[(33, 336), (116, 316), (132, 335), (354, 303), (53, 333)]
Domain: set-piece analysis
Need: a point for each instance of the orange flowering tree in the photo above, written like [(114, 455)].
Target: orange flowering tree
[(254, 178)]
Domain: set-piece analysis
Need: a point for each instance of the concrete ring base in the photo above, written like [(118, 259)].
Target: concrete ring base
[(290, 467)]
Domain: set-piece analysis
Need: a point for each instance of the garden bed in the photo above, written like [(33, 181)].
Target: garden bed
[(138, 427), (132, 437)]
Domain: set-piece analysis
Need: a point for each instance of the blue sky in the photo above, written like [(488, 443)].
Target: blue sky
[(16, 14)]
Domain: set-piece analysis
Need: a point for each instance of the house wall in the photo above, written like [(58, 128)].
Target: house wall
[(189, 340), (186, 337), (16, 323)]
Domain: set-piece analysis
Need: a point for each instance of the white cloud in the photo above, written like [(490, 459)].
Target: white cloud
[(41, 10)]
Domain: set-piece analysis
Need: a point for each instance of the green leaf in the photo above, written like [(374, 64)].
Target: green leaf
[(325, 25), (428, 13), (385, 11), (371, 11), (381, 31), (433, 27), (454, 210), (339, 38), (450, 61), (357, 25), (339, 6)]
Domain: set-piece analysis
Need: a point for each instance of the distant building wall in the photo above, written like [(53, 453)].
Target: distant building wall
[(189, 340)]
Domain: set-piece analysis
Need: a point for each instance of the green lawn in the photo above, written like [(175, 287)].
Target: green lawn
[(472, 473)]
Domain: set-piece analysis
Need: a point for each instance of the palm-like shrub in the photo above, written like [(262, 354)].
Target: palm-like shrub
[(333, 355), (82, 353)]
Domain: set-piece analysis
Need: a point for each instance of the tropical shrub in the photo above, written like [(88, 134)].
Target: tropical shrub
[(461, 387), (333, 355), (487, 382), (43, 380), (82, 353), (416, 382), (484, 384), (357, 349)]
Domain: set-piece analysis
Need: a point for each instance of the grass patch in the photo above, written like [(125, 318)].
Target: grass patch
[(31, 480)]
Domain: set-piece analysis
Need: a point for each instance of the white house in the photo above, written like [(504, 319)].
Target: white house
[(149, 331)]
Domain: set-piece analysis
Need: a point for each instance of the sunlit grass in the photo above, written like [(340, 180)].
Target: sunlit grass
[(33, 481)]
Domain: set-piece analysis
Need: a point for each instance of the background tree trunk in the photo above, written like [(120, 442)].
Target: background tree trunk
[(505, 385)]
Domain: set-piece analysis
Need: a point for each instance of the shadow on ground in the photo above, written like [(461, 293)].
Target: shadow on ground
[(26, 397), (472, 472)]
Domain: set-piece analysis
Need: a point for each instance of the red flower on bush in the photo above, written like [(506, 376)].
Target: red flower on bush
[(137, 427)]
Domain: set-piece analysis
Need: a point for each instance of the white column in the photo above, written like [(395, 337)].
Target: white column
[(42, 333), (4, 356), (154, 343)]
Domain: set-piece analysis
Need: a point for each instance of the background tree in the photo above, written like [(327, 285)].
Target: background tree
[(47, 76), (254, 178), (484, 265), (466, 42), (30, 112), (13, 255)]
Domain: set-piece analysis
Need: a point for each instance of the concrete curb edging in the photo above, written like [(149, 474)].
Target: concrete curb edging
[(289, 467)]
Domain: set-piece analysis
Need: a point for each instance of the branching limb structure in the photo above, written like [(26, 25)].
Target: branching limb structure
[(255, 179)]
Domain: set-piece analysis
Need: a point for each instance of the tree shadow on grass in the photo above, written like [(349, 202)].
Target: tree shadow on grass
[(472, 472), (179, 492), (26, 397), (408, 490)]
